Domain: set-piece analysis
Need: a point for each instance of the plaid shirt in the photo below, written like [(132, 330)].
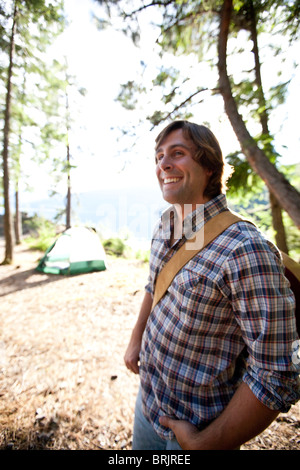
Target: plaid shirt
[(227, 317)]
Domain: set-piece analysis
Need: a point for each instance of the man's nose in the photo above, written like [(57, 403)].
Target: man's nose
[(165, 163)]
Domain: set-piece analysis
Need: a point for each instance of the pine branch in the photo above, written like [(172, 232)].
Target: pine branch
[(144, 7), (181, 105)]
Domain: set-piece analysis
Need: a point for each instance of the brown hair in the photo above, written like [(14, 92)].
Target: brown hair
[(208, 154)]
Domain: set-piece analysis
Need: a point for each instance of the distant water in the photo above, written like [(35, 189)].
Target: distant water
[(112, 212)]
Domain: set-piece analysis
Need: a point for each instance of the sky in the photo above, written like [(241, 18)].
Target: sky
[(101, 61)]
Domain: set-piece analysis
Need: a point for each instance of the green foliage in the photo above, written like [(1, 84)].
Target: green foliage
[(143, 255), (129, 93), (293, 239), (43, 233), (249, 196), (191, 27), (39, 22), (114, 246), (257, 209), (166, 74), (243, 181), (277, 94), (118, 247)]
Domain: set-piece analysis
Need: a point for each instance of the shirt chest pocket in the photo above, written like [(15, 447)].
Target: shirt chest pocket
[(195, 296), (186, 280), (186, 291)]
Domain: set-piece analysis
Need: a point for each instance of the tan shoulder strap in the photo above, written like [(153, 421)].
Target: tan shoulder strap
[(186, 252)]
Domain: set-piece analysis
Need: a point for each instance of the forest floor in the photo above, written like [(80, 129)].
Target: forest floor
[(63, 384)]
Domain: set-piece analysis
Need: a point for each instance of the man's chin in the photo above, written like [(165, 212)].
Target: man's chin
[(169, 199), (170, 196)]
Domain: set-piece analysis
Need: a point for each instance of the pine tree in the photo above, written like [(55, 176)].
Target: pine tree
[(203, 29), (26, 21)]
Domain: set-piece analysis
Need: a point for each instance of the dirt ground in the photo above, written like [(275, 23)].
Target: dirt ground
[(63, 384)]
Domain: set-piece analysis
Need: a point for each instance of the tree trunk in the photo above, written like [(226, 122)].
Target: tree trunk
[(17, 164), (278, 226), (276, 211), (8, 223), (18, 219), (275, 181), (68, 208)]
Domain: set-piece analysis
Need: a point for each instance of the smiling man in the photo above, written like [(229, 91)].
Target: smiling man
[(182, 179), (215, 354)]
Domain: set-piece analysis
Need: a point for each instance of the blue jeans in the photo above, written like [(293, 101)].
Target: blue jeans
[(144, 436)]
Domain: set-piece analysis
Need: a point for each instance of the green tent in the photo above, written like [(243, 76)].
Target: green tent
[(77, 250)]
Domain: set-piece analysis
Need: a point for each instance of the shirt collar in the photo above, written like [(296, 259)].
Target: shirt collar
[(215, 206), (196, 219)]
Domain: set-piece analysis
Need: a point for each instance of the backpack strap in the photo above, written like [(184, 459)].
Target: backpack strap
[(211, 230)]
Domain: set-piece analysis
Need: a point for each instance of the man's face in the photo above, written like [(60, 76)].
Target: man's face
[(181, 179)]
